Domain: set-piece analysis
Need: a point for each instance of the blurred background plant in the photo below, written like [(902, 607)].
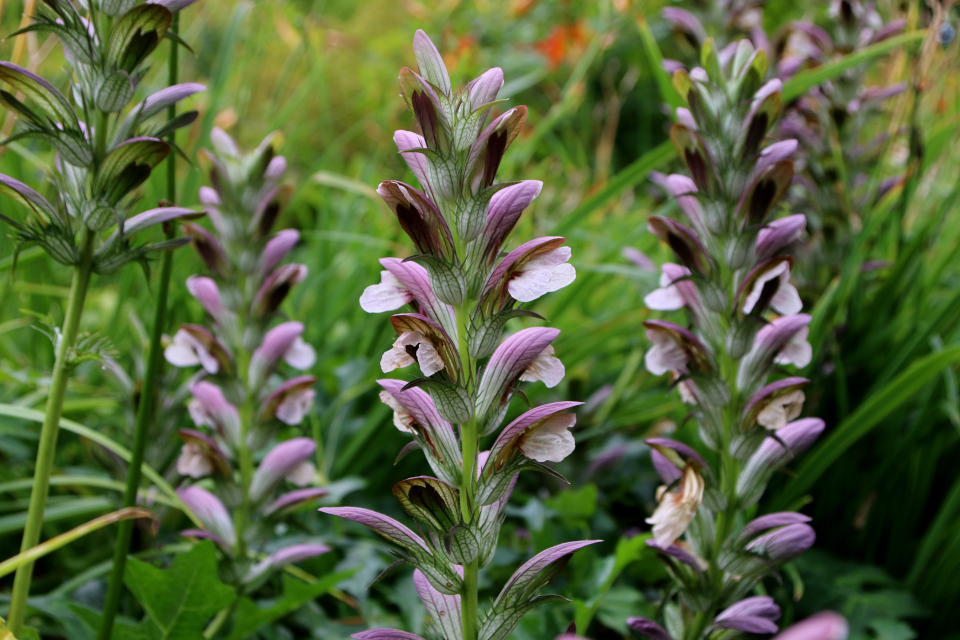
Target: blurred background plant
[(884, 328)]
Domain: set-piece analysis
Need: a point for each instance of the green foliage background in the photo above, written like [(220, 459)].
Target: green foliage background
[(882, 485)]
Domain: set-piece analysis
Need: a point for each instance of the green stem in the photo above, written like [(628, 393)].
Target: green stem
[(469, 607), (469, 438), (145, 412), (50, 428)]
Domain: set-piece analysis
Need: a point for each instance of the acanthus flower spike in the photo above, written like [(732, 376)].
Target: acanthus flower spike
[(240, 406), (746, 320), (465, 292)]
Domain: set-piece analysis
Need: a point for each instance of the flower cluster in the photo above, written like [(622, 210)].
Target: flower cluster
[(835, 123), (99, 167), (240, 397), (723, 20), (832, 120), (734, 280), (105, 150), (465, 288)]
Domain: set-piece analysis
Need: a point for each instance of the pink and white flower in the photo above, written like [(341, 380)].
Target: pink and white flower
[(401, 355), (546, 368), (675, 510)]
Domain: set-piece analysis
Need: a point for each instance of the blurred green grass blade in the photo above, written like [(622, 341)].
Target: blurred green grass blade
[(24, 484), (859, 423), (652, 49), (350, 185), (806, 80), (943, 528), (10, 565), (13, 411), (79, 508), (629, 177)]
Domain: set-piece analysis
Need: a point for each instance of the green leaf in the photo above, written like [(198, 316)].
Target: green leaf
[(655, 58), (638, 170), (575, 505), (251, 617), (871, 413), (182, 599), (22, 413)]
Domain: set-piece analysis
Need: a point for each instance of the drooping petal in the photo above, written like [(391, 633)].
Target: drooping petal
[(674, 349), (508, 363), (751, 615), (768, 284), (546, 368), (675, 510), (210, 408), (207, 294), (823, 626), (193, 345), (282, 342), (210, 511), (277, 464), (200, 455), (389, 295), (291, 401), (648, 628), (541, 431)]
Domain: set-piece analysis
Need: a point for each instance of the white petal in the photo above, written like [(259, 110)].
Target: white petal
[(754, 296), (193, 463), (180, 355), (300, 355), (786, 300), (548, 259), (675, 510), (208, 361), (389, 295), (528, 285), (545, 367), (687, 394), (402, 419), (295, 406), (781, 410), (550, 441), (665, 299), (665, 355), (303, 474), (797, 352), (430, 361), (395, 358)]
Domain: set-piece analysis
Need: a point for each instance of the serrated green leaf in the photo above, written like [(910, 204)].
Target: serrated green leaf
[(182, 599), (251, 617)]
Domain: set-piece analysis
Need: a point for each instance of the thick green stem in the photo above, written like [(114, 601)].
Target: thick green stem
[(145, 412), (469, 438), (50, 428), (469, 601)]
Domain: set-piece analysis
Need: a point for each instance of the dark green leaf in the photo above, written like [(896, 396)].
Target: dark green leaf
[(182, 599)]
